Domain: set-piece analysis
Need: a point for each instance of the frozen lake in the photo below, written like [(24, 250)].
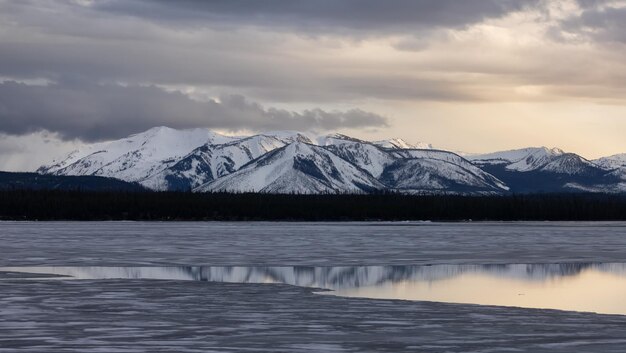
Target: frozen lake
[(311, 244), (223, 287)]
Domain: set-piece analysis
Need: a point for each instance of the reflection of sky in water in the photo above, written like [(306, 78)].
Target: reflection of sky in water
[(580, 287)]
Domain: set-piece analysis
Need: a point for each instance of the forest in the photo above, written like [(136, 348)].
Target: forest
[(185, 206)]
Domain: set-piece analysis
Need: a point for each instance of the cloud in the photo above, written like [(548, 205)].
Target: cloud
[(90, 112), (592, 3), (486, 62), (253, 64), (319, 16), (29, 152), (598, 24), (490, 61)]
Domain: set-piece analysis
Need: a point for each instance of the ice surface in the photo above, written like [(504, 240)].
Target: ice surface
[(302, 243), (190, 316)]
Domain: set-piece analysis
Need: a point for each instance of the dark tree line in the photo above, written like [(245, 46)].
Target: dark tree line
[(35, 181), (120, 205)]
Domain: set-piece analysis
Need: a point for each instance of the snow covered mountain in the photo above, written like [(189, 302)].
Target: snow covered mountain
[(397, 167), (612, 162), (212, 161), (541, 169), (522, 160), (297, 168), (427, 175), (292, 162), (136, 157)]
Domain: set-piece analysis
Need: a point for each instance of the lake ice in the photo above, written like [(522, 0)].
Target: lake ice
[(356, 260)]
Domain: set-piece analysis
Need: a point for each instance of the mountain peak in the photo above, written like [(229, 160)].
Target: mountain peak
[(612, 162), (556, 151), (523, 159), (398, 143), (287, 136), (334, 138)]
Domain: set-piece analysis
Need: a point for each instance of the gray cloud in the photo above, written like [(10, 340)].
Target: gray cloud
[(319, 15), (600, 24), (252, 68), (94, 112), (591, 3)]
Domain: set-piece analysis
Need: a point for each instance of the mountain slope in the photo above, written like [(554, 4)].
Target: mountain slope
[(544, 159), (521, 160), (572, 164), (612, 162), (136, 157), (426, 175), (531, 170), (297, 168), (363, 154), (451, 165), (413, 170), (210, 162)]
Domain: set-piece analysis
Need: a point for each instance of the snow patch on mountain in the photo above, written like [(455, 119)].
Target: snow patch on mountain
[(398, 143), (614, 188), (612, 162), (521, 160)]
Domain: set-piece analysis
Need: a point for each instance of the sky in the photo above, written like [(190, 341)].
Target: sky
[(472, 75)]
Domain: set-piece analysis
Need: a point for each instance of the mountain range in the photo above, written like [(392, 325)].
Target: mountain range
[(201, 160)]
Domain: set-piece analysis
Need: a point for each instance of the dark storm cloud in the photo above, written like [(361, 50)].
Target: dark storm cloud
[(96, 112), (322, 15)]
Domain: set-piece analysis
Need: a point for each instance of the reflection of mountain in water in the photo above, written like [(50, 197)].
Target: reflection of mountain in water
[(328, 277)]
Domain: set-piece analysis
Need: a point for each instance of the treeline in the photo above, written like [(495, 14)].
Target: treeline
[(36, 181), (84, 205)]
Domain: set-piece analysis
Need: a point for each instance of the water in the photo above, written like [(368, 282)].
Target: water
[(587, 287), (352, 261)]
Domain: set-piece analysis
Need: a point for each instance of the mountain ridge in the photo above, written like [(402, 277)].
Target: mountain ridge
[(202, 160)]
